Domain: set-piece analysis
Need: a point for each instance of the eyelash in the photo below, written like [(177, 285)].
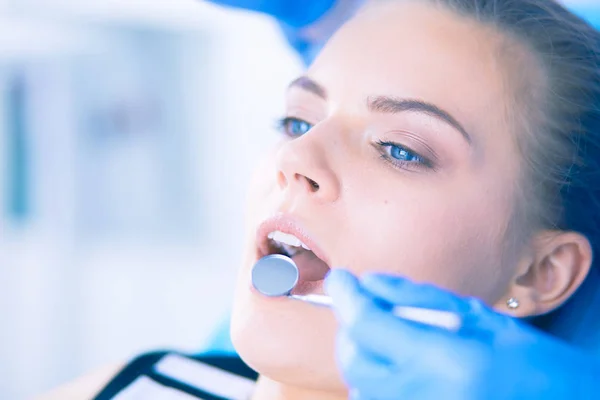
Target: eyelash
[(283, 126)]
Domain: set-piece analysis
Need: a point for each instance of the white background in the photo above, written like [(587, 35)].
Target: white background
[(156, 269)]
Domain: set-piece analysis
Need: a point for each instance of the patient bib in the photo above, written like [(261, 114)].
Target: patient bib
[(175, 376)]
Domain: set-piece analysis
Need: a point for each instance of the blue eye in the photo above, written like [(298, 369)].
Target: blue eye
[(401, 154), (402, 157), (294, 127)]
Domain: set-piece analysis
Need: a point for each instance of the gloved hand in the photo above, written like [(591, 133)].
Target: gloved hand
[(296, 14), (492, 357)]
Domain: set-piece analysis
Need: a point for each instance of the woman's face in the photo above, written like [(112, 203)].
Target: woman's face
[(399, 160)]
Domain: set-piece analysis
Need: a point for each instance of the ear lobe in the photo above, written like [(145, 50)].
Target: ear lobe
[(561, 263)]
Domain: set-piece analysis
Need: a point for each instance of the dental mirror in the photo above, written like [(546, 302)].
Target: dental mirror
[(276, 275)]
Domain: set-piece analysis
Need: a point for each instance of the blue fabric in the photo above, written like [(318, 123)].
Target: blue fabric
[(589, 12), (296, 14), (293, 17), (220, 341), (578, 321), (307, 50)]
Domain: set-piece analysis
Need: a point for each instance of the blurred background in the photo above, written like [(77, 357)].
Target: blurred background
[(127, 134)]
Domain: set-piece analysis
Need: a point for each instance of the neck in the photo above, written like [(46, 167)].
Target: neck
[(267, 389)]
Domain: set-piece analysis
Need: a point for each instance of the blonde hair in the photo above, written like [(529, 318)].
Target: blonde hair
[(560, 138)]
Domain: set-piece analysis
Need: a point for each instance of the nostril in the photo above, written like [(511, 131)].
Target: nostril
[(314, 185), (281, 180)]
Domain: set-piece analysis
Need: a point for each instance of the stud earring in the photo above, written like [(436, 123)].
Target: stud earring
[(512, 303)]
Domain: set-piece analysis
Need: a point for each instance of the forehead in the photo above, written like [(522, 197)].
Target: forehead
[(416, 50)]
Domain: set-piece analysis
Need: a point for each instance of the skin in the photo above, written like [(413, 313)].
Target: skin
[(448, 223)]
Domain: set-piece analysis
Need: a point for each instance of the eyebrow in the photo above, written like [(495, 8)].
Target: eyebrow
[(387, 104), (308, 84)]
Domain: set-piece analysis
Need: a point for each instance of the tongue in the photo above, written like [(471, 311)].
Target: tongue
[(310, 267)]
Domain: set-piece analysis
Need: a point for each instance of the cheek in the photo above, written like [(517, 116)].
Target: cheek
[(429, 234)]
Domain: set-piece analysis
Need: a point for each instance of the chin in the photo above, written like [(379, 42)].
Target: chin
[(285, 340)]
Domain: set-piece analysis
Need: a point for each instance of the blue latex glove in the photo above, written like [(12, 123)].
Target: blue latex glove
[(493, 357), (295, 14)]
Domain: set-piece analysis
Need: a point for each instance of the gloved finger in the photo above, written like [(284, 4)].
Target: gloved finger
[(373, 328), (400, 291), (348, 298), (360, 369), (356, 394)]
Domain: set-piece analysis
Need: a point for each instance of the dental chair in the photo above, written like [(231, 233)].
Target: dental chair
[(219, 342), (578, 321)]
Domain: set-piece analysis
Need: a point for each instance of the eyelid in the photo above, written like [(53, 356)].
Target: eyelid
[(301, 113), (412, 142), (305, 107)]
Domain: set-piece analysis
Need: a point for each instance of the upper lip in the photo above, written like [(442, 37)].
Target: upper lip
[(287, 224)]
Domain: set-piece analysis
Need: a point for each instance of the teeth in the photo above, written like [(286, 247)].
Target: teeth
[(289, 250), (288, 242)]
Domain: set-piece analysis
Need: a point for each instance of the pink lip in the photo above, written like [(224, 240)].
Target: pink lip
[(287, 224)]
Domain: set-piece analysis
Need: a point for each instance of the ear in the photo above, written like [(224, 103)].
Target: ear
[(550, 275)]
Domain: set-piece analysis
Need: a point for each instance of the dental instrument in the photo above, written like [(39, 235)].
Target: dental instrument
[(277, 275)]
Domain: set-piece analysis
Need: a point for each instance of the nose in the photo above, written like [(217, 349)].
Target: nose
[(304, 169)]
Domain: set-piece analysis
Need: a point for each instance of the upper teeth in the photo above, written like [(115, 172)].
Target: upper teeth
[(286, 239)]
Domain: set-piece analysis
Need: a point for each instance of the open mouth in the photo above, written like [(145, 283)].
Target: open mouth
[(292, 243)]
